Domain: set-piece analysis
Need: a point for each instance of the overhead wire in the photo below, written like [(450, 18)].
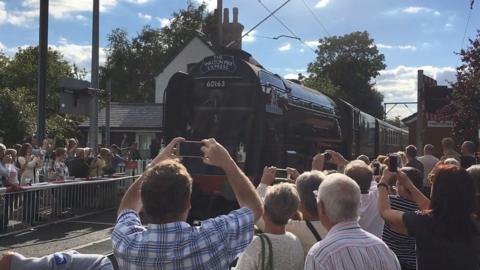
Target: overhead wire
[(272, 13), (315, 17), (466, 27), (285, 26)]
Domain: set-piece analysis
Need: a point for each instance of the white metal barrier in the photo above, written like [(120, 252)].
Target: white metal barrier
[(48, 202)]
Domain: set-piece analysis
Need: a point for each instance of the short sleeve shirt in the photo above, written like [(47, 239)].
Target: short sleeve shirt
[(177, 245), (435, 251)]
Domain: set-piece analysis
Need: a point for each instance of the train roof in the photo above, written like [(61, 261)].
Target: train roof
[(392, 126), (310, 97)]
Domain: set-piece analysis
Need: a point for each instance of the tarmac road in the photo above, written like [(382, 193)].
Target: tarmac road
[(86, 235)]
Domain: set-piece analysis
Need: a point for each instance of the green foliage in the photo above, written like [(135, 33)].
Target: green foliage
[(396, 122), (133, 64), (322, 84), (350, 62), (16, 114), (465, 104), (18, 86)]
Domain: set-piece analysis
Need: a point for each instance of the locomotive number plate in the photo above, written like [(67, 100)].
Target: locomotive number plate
[(216, 84)]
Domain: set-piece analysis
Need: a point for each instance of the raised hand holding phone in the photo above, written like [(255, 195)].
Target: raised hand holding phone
[(215, 154), (169, 152), (268, 176)]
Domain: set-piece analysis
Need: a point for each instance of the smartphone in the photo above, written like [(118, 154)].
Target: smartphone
[(376, 168), (393, 163), (190, 149), (281, 174)]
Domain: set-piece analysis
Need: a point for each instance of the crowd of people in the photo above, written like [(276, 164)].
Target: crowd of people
[(420, 213), (28, 163)]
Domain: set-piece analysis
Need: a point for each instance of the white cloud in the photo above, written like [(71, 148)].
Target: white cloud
[(62, 41), (211, 4), (79, 55), (145, 17), (312, 43), (399, 47), (400, 84), (302, 50), (3, 13), (322, 3), (285, 47), (138, 2), (250, 37), (418, 9), (2, 47), (164, 21), (81, 17), (12, 51), (58, 9), (291, 76), (384, 46)]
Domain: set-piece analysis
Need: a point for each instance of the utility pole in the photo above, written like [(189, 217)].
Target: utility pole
[(42, 70), (94, 77), (107, 112), (420, 91), (219, 22)]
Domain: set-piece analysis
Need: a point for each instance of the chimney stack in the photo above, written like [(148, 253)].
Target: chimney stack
[(226, 17), (235, 15), (232, 31)]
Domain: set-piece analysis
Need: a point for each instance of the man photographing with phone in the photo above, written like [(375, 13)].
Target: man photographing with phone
[(163, 192)]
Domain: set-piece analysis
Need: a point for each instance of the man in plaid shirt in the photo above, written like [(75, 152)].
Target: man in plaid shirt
[(169, 242)]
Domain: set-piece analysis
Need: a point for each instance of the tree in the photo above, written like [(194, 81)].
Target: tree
[(133, 64), (350, 62), (16, 114), (464, 108), (18, 87)]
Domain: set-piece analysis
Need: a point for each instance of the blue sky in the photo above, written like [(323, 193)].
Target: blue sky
[(412, 34)]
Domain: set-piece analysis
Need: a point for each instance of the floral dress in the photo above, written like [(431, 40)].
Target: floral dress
[(60, 169)]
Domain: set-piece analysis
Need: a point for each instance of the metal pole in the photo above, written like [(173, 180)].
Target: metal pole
[(420, 90), (94, 79), (42, 70), (107, 112), (219, 22)]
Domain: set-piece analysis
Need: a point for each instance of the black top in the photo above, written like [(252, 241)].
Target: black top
[(436, 252), (77, 167), (415, 163), (467, 161)]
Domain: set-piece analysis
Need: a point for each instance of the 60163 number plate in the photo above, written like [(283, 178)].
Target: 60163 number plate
[(216, 84)]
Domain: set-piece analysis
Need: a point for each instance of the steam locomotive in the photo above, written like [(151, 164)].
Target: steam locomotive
[(263, 119)]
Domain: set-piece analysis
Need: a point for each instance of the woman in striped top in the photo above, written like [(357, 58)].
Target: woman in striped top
[(403, 246)]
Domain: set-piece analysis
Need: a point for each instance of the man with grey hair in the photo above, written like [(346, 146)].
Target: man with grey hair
[(309, 230), (370, 219), (281, 202), (347, 245)]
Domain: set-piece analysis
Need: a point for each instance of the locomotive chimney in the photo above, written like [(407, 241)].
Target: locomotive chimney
[(232, 31)]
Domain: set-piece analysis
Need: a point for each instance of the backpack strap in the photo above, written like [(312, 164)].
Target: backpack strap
[(313, 230), (269, 264)]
